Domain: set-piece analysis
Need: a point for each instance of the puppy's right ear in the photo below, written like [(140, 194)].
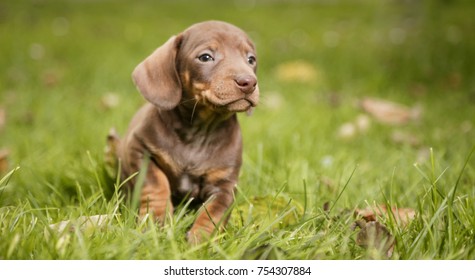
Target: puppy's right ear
[(156, 77)]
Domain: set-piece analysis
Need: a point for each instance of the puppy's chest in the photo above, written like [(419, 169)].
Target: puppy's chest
[(195, 159), (196, 156), (197, 149), (193, 163), (177, 158)]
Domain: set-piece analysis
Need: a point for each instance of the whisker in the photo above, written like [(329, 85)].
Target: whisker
[(193, 112), (187, 100)]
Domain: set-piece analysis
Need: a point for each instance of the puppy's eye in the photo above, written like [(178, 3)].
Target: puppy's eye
[(251, 60), (205, 58)]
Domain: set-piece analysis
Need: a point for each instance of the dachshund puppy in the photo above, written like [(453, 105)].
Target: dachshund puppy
[(195, 84)]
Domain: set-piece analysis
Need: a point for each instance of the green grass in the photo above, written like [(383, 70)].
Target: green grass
[(60, 58)]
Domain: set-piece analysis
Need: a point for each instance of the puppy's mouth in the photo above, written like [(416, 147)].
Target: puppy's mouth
[(240, 105), (234, 105)]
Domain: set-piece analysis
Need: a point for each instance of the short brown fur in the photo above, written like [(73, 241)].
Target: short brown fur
[(189, 128)]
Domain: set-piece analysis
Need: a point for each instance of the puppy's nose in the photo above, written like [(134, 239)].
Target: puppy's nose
[(246, 83)]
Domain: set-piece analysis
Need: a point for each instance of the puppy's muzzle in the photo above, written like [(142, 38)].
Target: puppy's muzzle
[(246, 83)]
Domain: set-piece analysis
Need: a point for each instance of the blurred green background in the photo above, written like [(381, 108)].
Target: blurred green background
[(65, 71)]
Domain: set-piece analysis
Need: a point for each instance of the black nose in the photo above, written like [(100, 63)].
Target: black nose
[(246, 83)]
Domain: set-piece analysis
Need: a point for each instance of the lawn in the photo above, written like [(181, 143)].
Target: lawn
[(313, 155)]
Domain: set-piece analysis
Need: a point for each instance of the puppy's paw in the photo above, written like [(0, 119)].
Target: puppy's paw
[(158, 214)]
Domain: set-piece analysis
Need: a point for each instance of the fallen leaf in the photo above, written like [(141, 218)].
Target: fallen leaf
[(4, 153), (297, 71), (82, 223), (85, 224), (403, 216), (373, 235), (388, 112)]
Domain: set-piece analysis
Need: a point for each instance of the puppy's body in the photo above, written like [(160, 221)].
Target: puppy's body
[(191, 155), (195, 84)]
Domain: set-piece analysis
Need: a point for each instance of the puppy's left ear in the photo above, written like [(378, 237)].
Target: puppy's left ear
[(156, 77)]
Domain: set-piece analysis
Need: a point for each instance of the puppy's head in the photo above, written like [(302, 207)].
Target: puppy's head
[(211, 64)]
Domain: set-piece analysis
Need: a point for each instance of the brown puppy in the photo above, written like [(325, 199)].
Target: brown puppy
[(195, 84)]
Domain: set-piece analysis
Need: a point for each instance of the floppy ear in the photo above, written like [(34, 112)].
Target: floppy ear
[(156, 77)]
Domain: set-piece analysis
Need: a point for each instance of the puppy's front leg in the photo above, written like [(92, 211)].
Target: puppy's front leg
[(155, 197), (219, 197)]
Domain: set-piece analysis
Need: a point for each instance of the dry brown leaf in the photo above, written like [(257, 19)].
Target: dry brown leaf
[(297, 71), (374, 235), (4, 153), (403, 216), (388, 112)]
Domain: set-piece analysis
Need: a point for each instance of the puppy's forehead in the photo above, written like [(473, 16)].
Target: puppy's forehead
[(215, 32)]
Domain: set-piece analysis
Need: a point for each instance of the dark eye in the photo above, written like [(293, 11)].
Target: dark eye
[(206, 58), (251, 60)]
